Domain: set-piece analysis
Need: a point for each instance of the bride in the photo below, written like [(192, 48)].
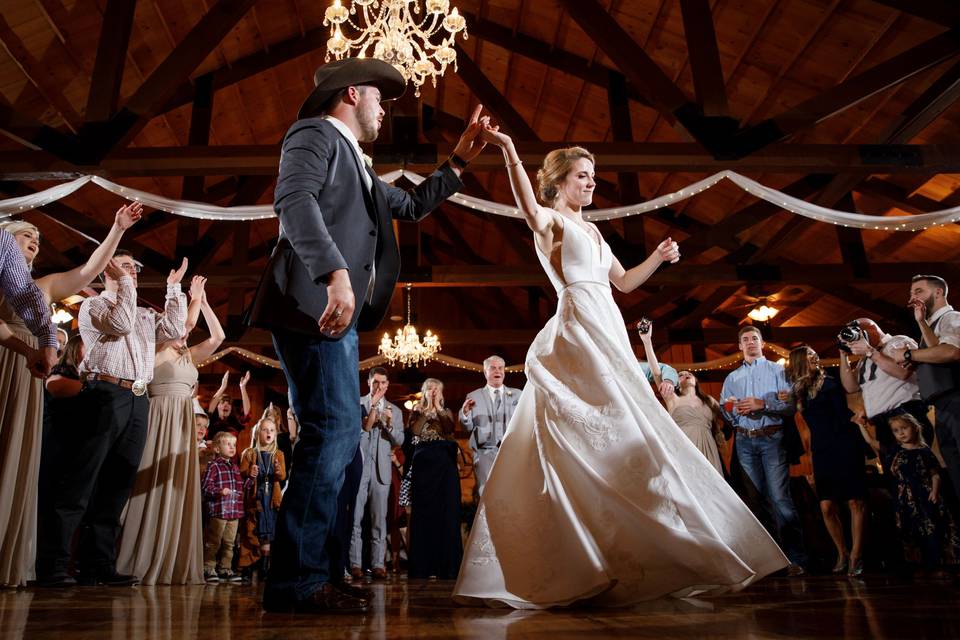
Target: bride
[(596, 493)]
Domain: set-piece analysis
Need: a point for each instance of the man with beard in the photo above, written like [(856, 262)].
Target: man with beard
[(336, 254), (938, 364)]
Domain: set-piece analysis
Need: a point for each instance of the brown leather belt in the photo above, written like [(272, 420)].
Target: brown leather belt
[(763, 431), (137, 387)]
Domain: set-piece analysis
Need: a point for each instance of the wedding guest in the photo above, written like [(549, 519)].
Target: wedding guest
[(223, 495), (937, 363), (162, 538), (887, 388), (223, 417), (263, 470), (927, 528), (696, 413), (29, 303), (757, 414), (21, 415), (660, 375), (485, 414), (381, 431), (94, 483), (839, 471), (436, 547)]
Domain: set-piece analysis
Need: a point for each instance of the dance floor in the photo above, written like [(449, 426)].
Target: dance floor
[(823, 607)]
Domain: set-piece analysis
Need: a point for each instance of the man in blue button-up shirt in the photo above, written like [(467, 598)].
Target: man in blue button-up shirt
[(757, 415)]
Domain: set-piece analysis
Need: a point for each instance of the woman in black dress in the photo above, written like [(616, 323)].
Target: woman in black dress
[(436, 546), (839, 471)]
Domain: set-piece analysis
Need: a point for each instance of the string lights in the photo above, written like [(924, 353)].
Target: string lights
[(203, 211)]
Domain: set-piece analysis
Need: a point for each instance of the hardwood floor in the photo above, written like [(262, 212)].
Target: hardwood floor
[(823, 607)]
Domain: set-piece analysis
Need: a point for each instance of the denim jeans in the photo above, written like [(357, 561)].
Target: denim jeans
[(764, 460), (325, 392)]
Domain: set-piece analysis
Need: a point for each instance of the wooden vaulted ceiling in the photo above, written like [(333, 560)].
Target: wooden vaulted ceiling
[(189, 100)]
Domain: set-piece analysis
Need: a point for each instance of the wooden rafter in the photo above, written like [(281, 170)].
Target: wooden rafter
[(943, 12), (704, 56), (111, 56), (221, 160), (160, 86)]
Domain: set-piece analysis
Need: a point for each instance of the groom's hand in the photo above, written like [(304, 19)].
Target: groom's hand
[(340, 304), (470, 144)]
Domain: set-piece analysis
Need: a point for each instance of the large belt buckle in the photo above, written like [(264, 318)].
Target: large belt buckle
[(139, 387)]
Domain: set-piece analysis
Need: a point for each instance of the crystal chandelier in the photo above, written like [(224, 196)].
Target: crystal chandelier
[(763, 313), (406, 346), (393, 32)]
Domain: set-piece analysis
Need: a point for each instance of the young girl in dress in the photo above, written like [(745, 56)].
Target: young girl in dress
[(263, 470), (927, 529)]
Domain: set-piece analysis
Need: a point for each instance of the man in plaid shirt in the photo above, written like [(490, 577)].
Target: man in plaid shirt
[(223, 494)]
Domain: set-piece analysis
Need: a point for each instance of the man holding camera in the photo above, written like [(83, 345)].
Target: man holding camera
[(887, 388), (937, 362)]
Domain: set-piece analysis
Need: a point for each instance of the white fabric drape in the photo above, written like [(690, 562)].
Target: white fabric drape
[(205, 211)]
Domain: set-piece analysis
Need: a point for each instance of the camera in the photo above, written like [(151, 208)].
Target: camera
[(851, 332), (643, 326)]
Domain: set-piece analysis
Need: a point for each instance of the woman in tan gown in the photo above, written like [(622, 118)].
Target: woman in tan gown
[(162, 539), (696, 413), (21, 411)]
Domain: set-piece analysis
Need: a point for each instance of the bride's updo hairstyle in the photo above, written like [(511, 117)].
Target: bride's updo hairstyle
[(556, 166)]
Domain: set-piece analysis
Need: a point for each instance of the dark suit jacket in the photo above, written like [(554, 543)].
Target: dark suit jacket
[(328, 221)]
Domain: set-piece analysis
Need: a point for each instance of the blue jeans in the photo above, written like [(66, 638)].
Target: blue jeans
[(325, 392), (764, 460)]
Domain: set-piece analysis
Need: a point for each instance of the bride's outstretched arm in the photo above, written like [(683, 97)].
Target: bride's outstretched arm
[(536, 217), (628, 280)]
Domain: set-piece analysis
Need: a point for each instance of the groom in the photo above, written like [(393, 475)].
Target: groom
[(333, 273)]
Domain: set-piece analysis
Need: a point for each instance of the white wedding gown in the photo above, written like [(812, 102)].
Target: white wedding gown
[(596, 493)]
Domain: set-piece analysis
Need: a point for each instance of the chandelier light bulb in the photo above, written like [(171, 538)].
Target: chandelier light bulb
[(418, 43)]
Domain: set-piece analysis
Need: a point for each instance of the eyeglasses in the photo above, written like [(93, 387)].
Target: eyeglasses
[(131, 268)]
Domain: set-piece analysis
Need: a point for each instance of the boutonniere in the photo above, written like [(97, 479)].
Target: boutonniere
[(368, 160), (509, 393)]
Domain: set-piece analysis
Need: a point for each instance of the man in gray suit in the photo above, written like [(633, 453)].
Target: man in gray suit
[(485, 415), (331, 275), (382, 430)]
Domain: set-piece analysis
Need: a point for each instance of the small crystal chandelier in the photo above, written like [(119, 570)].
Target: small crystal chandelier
[(396, 35), (763, 313), (406, 346)]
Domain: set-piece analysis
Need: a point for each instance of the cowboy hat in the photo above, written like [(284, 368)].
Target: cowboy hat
[(340, 74)]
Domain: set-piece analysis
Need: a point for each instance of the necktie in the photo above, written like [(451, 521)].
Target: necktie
[(496, 401)]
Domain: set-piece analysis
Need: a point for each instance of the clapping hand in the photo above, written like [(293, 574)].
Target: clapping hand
[(128, 215), (244, 380), (176, 275), (468, 406), (197, 285), (113, 269), (669, 251)]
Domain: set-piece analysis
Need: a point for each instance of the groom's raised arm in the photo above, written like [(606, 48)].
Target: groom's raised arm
[(304, 162)]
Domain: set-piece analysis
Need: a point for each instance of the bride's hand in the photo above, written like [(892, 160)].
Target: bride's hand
[(493, 135), (669, 251)]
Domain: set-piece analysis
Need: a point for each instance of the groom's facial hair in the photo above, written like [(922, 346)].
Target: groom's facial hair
[(367, 114)]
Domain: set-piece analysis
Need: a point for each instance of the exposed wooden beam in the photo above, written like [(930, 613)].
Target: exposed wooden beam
[(611, 156), (111, 56), (704, 56), (50, 142), (622, 129), (545, 53), (639, 68), (943, 12), (491, 97), (878, 78), (160, 86), (36, 75), (850, 240), (188, 229)]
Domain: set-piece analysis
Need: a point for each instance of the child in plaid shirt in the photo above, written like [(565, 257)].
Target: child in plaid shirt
[(223, 494)]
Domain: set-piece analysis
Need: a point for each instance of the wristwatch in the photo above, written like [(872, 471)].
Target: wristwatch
[(908, 356), (457, 161)]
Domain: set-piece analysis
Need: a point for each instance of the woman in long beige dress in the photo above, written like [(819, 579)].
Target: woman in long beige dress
[(21, 407), (162, 539), (696, 413)]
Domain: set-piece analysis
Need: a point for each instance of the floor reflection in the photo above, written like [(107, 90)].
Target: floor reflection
[(814, 607)]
